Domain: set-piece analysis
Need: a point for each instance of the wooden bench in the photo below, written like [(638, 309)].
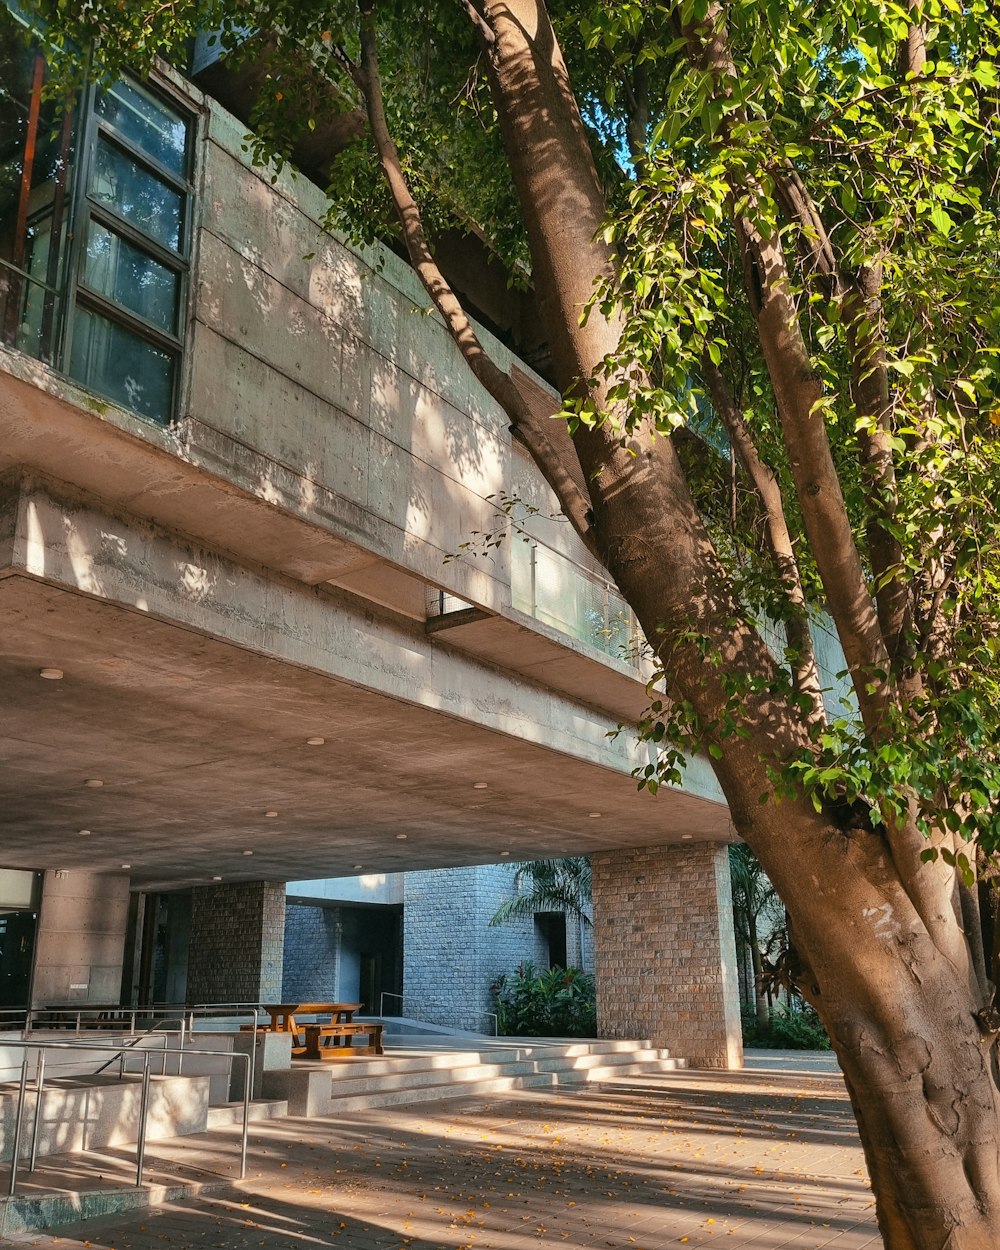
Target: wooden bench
[(315, 1033)]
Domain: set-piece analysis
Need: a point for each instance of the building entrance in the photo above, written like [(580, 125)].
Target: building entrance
[(20, 895)]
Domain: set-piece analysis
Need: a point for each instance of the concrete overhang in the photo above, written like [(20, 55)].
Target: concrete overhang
[(190, 688)]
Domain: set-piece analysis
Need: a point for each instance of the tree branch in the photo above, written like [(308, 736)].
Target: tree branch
[(500, 385), (483, 28), (799, 395), (860, 298), (805, 671)]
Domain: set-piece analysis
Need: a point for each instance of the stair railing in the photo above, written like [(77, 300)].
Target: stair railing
[(140, 1155)]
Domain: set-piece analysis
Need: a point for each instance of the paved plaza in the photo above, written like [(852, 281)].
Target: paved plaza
[(750, 1161)]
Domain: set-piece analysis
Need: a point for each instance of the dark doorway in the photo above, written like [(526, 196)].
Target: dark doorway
[(371, 957), (166, 935), (20, 899), (551, 927), (17, 947)]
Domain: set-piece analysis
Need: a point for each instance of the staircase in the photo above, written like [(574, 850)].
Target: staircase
[(98, 1179), (408, 1075)]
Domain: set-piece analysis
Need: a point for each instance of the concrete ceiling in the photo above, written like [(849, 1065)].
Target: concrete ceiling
[(195, 740)]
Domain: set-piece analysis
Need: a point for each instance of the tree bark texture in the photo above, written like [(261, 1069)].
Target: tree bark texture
[(885, 961)]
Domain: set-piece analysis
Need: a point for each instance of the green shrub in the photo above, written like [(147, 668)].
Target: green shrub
[(558, 1003), (787, 1030)]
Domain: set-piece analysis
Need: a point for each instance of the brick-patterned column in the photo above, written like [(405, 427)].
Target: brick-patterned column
[(665, 956), (237, 939)]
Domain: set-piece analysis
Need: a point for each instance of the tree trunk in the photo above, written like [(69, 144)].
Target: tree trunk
[(761, 1006), (900, 1012)]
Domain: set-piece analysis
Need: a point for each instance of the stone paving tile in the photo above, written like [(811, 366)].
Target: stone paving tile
[(749, 1161)]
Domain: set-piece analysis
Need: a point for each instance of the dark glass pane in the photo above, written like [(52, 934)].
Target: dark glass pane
[(147, 122), (129, 277), (135, 194), (119, 364), (33, 210)]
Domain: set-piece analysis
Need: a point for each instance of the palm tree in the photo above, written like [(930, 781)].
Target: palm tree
[(549, 885)]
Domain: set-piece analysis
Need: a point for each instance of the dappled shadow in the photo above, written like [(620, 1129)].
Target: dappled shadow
[(530, 1170)]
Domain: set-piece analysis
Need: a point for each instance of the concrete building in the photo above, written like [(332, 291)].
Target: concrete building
[(383, 939), (242, 640)]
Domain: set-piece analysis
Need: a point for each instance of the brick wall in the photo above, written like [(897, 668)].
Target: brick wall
[(312, 953), (665, 957), (237, 939), (450, 953)]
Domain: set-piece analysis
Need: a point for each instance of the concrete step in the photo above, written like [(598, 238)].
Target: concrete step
[(232, 1112), (580, 1063), (414, 1079), (441, 1092), (91, 1112), (397, 1080), (610, 1072)]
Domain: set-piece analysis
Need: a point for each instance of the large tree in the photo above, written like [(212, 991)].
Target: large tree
[(774, 222)]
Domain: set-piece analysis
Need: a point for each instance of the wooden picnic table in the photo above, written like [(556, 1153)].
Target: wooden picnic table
[(330, 1040), (283, 1016)]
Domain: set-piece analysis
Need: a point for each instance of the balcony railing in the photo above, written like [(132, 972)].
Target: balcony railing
[(559, 593)]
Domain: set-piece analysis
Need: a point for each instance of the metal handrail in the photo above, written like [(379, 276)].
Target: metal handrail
[(41, 1047), (142, 1036)]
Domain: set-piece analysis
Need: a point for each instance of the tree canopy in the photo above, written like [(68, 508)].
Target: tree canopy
[(775, 225)]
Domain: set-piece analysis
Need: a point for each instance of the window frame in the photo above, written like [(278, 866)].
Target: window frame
[(78, 294)]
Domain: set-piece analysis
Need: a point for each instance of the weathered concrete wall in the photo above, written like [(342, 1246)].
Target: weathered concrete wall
[(237, 935), (331, 368), (665, 956), (376, 887), (80, 942)]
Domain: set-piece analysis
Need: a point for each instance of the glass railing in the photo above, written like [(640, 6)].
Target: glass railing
[(559, 593)]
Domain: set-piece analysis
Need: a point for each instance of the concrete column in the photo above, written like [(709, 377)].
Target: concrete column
[(80, 943), (665, 955), (237, 939)]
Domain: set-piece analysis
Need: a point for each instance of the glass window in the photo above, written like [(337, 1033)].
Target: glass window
[(36, 148), (122, 230), (148, 123), (143, 200), (130, 277), (122, 365)]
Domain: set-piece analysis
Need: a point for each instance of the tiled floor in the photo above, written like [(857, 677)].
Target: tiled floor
[(750, 1161)]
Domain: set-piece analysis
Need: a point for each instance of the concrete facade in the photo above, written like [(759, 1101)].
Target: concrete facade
[(80, 946), (665, 952), (237, 939), (253, 685)]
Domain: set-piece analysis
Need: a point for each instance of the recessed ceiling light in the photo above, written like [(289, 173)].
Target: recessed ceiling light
[(315, 742), (216, 878), (84, 833), (686, 837), (480, 785), (358, 867), (401, 837), (51, 674), (595, 815), (126, 865), (248, 852), (505, 854), (270, 813), (93, 782)]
